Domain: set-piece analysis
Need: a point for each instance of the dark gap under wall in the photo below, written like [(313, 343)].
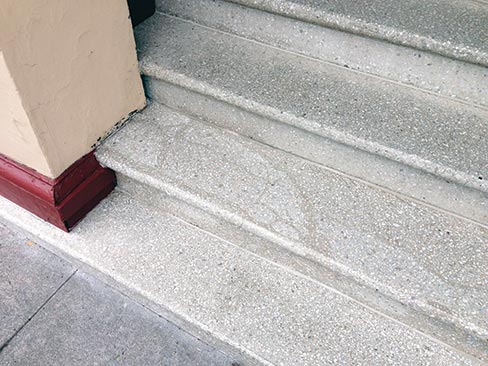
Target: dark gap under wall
[(140, 10)]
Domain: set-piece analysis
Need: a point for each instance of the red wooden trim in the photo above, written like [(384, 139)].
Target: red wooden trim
[(26, 179), (71, 177), (62, 201)]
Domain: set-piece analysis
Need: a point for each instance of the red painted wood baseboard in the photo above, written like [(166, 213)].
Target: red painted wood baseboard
[(62, 201)]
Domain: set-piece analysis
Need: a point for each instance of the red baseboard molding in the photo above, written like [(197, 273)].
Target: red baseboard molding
[(62, 201)]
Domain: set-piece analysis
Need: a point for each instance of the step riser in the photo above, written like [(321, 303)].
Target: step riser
[(420, 69), (171, 201), (417, 184)]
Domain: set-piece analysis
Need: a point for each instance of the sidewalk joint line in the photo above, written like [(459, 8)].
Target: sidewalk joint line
[(7, 342)]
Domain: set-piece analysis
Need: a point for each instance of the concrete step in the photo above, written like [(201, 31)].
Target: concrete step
[(267, 313), (406, 260), (429, 148), (454, 28), (312, 31)]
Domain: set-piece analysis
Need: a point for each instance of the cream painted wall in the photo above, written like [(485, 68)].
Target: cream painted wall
[(17, 137), (73, 65)]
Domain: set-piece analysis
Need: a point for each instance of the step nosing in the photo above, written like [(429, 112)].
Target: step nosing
[(412, 160)]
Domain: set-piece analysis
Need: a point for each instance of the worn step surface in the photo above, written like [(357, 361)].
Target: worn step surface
[(273, 314), (421, 69), (207, 73), (427, 260), (455, 28)]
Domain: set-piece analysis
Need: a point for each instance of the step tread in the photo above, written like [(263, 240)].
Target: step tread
[(443, 137), (427, 259), (421, 69), (455, 28), (279, 316)]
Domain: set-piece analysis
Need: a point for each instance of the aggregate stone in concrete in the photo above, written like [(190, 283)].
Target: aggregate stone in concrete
[(271, 312), (29, 275), (443, 137), (422, 69), (88, 323), (453, 28), (427, 259)]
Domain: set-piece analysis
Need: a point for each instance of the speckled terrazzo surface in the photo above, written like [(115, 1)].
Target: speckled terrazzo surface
[(274, 315), (411, 66), (443, 137), (432, 261), (281, 252), (456, 28)]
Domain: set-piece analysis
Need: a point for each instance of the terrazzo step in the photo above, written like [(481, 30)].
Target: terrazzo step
[(352, 35), (409, 261), (427, 147), (454, 28), (263, 312)]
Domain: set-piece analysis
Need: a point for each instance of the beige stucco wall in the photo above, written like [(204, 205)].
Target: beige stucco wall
[(17, 138), (69, 73)]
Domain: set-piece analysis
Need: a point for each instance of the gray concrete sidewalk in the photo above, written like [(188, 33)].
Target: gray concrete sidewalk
[(51, 313)]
